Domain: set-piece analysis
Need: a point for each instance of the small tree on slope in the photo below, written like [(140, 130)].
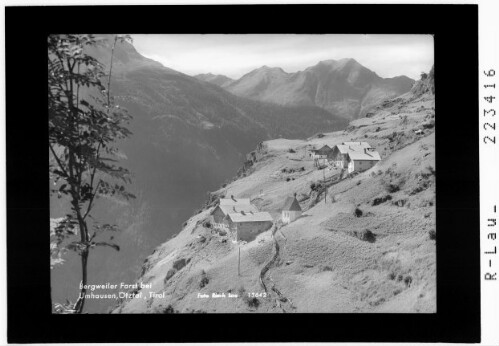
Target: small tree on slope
[(84, 125)]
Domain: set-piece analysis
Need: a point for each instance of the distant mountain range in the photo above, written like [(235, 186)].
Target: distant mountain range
[(342, 87)]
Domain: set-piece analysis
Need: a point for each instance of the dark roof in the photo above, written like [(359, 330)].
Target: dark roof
[(291, 204), (325, 149)]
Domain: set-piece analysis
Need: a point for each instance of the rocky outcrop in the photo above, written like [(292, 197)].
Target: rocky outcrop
[(426, 84)]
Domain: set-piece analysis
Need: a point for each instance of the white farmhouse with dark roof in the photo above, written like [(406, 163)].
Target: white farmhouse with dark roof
[(230, 205), (241, 218), (291, 210), (339, 154), (359, 161)]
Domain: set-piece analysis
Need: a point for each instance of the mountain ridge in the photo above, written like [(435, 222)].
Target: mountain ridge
[(343, 87), (216, 79)]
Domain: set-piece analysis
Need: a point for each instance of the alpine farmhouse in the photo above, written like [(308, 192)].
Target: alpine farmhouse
[(353, 156), (241, 219)]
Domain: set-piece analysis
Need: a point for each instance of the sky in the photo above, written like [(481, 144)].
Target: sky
[(236, 55)]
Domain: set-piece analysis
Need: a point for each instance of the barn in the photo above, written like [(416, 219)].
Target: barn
[(321, 155)]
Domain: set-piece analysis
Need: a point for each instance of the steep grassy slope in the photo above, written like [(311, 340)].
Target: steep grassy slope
[(370, 247)]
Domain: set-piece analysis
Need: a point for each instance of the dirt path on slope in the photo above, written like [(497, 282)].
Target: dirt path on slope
[(282, 302)]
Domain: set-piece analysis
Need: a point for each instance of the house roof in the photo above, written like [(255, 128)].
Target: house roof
[(234, 201), (347, 147), (291, 204), (343, 149), (325, 149), (364, 155), (250, 217), (357, 144), (247, 208)]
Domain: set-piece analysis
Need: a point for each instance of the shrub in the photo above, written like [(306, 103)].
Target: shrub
[(392, 276), (288, 179), (408, 280), (204, 280), (320, 135), (431, 169), (429, 125), (368, 236), (357, 212), (400, 277), (392, 187), (379, 200), (432, 234), (291, 151), (253, 302), (169, 310), (207, 224)]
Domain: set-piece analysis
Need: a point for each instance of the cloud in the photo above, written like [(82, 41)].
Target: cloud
[(235, 55)]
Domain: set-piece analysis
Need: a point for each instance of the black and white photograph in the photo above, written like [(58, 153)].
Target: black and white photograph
[(256, 173), (227, 173)]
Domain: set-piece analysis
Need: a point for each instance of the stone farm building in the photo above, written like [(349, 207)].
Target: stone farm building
[(240, 218), (291, 210)]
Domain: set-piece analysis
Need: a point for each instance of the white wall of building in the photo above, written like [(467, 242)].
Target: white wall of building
[(290, 215)]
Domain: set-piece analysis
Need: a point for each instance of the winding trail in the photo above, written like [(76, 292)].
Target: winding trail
[(281, 301)]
